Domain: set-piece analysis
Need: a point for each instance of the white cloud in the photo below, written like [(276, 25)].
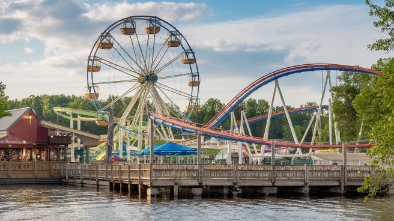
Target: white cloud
[(230, 54), (169, 11), (28, 50)]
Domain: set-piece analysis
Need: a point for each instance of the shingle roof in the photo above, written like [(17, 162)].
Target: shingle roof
[(8, 121)]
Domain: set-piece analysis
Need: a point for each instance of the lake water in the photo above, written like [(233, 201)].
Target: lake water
[(54, 202)]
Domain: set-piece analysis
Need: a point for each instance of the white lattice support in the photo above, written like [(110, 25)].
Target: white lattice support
[(267, 125), (243, 115), (286, 112), (319, 110), (360, 132), (336, 130)]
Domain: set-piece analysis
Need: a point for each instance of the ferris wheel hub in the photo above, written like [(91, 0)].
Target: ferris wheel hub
[(152, 78)]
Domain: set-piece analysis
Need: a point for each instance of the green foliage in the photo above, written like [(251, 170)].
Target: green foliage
[(351, 85), (385, 24), (3, 101), (375, 105)]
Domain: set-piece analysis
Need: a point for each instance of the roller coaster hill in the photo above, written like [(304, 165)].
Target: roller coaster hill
[(238, 133)]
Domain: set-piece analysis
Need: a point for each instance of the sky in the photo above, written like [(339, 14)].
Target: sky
[(44, 44)]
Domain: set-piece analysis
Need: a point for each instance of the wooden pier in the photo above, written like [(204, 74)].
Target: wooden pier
[(177, 179)]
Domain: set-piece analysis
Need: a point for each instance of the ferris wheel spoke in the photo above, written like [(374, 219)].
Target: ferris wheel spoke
[(156, 97), (138, 55), (115, 82), (174, 105), (123, 95), (131, 105), (143, 98), (173, 90), (160, 54), (118, 67), (174, 76), (128, 55), (156, 71)]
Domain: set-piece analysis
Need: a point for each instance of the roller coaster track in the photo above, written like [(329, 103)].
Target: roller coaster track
[(234, 136), (221, 115), (210, 128), (281, 113)]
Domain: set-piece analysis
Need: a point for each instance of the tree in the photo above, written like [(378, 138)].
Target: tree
[(343, 96), (376, 103), (3, 101)]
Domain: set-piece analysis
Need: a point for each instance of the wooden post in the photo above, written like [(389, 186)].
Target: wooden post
[(87, 156), (9, 170), (199, 156), (35, 168), (75, 171), (344, 152), (273, 162), (66, 172), (90, 171), (50, 170), (273, 153), (306, 187), (120, 179), (106, 172), (97, 180), (152, 150), (112, 174), (342, 180), (128, 179), (139, 181), (80, 174)]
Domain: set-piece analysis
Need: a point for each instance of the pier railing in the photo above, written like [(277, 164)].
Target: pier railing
[(220, 174), (36, 169)]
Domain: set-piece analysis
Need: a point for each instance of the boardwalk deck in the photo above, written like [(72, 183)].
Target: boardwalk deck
[(178, 177), (226, 176)]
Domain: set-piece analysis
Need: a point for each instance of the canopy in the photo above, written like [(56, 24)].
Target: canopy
[(169, 149)]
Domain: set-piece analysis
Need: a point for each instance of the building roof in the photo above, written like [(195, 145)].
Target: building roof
[(16, 114)]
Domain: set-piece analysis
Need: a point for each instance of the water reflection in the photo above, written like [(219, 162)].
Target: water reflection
[(47, 202)]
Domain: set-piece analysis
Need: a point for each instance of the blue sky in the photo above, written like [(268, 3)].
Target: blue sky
[(44, 44)]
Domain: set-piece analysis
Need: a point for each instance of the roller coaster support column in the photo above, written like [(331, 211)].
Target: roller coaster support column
[(267, 125), (240, 156), (72, 140), (287, 113), (319, 110)]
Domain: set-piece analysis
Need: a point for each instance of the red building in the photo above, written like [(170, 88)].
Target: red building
[(23, 138)]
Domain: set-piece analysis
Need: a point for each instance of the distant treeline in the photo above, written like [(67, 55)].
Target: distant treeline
[(279, 128)]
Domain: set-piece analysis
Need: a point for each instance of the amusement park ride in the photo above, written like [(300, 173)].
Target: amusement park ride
[(149, 61)]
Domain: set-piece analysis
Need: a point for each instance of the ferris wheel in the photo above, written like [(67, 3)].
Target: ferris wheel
[(147, 64)]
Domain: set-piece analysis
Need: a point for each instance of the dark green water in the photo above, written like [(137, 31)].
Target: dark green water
[(49, 202)]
